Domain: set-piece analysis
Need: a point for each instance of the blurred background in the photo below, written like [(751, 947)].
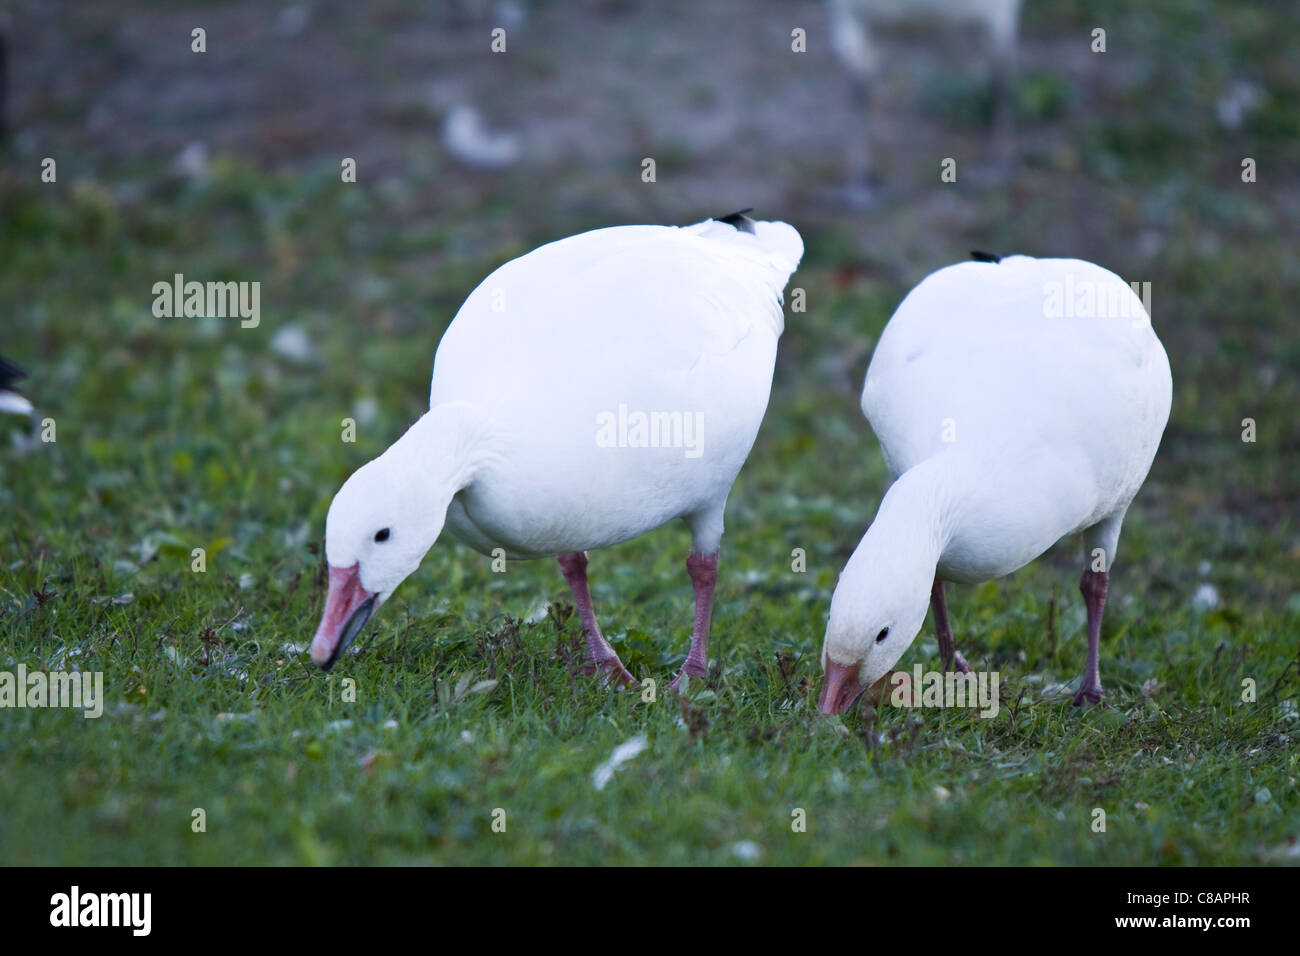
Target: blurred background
[(225, 165)]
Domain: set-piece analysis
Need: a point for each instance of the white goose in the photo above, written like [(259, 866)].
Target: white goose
[(1017, 402), (585, 393)]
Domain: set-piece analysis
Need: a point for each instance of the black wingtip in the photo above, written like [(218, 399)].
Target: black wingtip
[(979, 256), (740, 220)]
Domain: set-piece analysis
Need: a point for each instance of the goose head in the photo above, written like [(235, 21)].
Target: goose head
[(871, 624), (881, 599), (381, 524)]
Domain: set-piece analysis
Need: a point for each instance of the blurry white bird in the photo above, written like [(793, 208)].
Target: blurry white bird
[(192, 162), (470, 141), (11, 399), (852, 23), (585, 394), (1017, 402)]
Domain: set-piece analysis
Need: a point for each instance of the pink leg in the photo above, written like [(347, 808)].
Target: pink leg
[(1094, 585), (703, 569), (948, 653), (600, 656)]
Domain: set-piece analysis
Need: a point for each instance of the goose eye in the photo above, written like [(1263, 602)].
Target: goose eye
[(884, 633), (381, 534)]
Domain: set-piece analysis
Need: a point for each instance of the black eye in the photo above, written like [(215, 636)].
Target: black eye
[(884, 633), (381, 534)]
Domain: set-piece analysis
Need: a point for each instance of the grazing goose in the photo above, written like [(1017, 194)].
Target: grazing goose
[(1017, 401), (584, 394)]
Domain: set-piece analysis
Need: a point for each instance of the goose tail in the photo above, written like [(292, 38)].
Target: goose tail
[(780, 241)]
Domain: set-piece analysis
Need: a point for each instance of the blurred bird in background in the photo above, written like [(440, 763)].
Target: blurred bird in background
[(466, 134), (12, 400), (469, 140), (853, 24)]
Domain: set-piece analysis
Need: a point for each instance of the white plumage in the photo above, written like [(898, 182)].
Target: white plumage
[(1017, 402), (652, 318)]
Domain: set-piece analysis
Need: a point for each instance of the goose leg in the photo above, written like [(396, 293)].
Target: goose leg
[(600, 656), (1004, 124), (703, 569), (1094, 585), (948, 653), (859, 191), (1005, 51)]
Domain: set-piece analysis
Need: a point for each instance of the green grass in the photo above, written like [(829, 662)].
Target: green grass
[(176, 434)]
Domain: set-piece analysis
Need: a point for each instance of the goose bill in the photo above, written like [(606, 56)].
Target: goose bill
[(348, 606)]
